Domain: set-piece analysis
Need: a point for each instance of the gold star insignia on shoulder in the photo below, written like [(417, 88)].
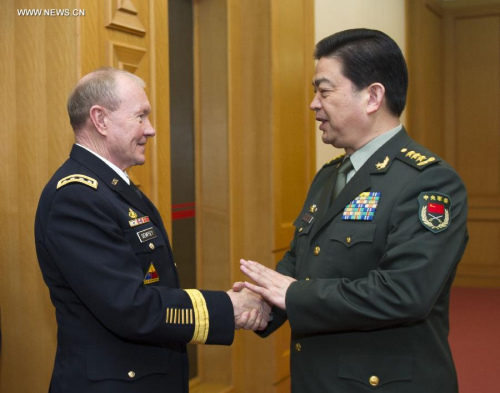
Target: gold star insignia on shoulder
[(335, 160), (416, 159), (82, 179)]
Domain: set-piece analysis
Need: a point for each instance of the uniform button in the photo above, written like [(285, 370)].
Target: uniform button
[(313, 209), (307, 278), (151, 246), (298, 347), (374, 380), (301, 229), (348, 240), (131, 374), (317, 250)]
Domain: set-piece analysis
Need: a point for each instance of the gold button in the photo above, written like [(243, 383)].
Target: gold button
[(307, 278), (131, 374), (298, 347), (348, 240), (301, 229), (313, 209), (374, 380), (151, 246), (317, 250)]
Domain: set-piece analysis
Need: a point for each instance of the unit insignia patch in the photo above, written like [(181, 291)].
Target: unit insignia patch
[(151, 275), (434, 211)]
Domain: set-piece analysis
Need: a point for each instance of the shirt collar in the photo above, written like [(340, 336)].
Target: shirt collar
[(359, 157), (120, 173)]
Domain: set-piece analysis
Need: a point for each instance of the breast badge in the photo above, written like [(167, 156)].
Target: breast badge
[(363, 207), (434, 211)]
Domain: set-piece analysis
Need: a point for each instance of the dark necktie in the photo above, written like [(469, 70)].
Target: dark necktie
[(134, 187), (341, 180)]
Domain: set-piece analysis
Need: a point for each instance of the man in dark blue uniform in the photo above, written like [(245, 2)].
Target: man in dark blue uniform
[(366, 282), (123, 321)]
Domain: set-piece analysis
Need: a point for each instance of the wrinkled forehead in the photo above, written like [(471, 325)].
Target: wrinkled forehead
[(131, 91)]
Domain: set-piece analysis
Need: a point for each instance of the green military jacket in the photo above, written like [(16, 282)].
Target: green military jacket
[(369, 311)]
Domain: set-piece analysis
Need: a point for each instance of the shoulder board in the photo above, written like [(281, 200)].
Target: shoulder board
[(416, 159), (335, 160), (88, 181)]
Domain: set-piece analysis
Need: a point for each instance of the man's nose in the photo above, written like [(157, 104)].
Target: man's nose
[(315, 103), (149, 131)]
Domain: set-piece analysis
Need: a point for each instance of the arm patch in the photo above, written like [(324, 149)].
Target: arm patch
[(88, 181)]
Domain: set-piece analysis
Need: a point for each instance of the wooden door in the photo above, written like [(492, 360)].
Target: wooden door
[(454, 64)]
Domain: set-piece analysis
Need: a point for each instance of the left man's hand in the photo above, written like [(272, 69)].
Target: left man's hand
[(271, 285), (250, 310)]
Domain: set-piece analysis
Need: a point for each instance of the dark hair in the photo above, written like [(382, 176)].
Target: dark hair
[(97, 88), (369, 56)]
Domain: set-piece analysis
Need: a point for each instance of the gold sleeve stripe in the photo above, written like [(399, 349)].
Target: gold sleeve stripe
[(201, 318), (88, 181)]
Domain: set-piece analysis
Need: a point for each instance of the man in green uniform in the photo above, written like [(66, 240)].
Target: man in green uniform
[(366, 282)]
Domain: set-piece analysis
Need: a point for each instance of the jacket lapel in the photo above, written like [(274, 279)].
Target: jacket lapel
[(109, 177), (376, 165)]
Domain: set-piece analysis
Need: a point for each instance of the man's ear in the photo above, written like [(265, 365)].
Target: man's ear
[(376, 93), (99, 118)]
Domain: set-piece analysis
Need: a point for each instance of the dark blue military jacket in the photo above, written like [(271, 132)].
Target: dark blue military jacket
[(369, 311), (123, 321)]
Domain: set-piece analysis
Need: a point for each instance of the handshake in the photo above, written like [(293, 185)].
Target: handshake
[(252, 302)]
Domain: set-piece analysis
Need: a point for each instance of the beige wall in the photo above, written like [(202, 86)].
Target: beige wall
[(333, 16)]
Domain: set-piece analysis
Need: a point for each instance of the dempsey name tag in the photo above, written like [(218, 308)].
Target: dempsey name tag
[(146, 234)]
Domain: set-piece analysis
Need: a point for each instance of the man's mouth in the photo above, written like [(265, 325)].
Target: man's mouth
[(322, 121)]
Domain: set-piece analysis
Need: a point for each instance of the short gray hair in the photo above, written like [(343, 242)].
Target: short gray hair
[(97, 88)]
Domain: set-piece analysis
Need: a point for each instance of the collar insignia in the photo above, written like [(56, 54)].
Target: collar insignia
[(131, 213), (383, 164), (434, 211)]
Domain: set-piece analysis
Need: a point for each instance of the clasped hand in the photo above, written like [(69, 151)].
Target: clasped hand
[(253, 311), (250, 310)]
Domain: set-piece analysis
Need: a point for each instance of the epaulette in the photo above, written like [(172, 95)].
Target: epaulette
[(88, 181), (335, 160), (416, 159)]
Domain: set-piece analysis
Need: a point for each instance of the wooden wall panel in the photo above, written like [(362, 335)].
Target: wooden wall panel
[(37, 69), (477, 100), (255, 161), (473, 37), (425, 64), (42, 58), (454, 63)]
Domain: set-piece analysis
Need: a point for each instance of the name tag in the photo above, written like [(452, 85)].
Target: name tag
[(307, 218), (146, 234)]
